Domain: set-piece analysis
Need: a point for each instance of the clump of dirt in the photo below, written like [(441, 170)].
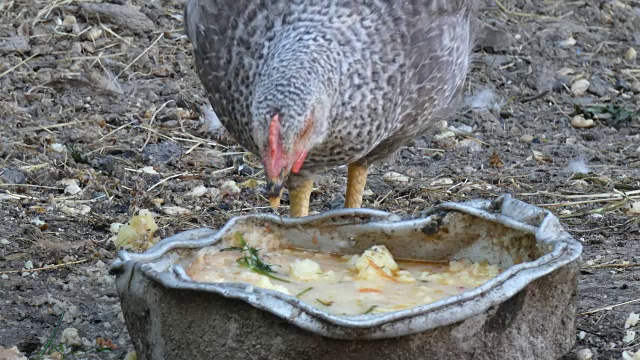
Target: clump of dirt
[(104, 93)]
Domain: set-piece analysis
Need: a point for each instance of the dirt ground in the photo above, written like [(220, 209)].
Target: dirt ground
[(96, 93)]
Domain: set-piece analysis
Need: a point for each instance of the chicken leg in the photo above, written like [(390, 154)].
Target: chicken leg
[(356, 180), (299, 195)]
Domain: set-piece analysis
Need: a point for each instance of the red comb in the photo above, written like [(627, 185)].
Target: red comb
[(275, 147)]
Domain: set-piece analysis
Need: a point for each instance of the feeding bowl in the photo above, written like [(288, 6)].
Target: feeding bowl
[(526, 312)]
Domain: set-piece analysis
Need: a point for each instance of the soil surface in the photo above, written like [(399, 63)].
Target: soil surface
[(101, 115)]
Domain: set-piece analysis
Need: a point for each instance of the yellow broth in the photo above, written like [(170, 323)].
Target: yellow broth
[(346, 285)]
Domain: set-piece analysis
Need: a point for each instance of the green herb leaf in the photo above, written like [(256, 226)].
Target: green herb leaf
[(325, 303), (251, 259), (370, 309), (304, 291)]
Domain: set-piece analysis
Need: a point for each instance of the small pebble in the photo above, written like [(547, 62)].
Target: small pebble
[(584, 354), (4, 242), (368, 192), (582, 335), (197, 191), (69, 20), (395, 177), (230, 187), (28, 265), (526, 138), (445, 139), (71, 186), (71, 337), (93, 34), (580, 122), (569, 42), (441, 182), (631, 54), (175, 210), (470, 144), (59, 148), (580, 87)]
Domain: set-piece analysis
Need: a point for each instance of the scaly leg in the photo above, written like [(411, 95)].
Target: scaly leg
[(299, 195), (356, 180)]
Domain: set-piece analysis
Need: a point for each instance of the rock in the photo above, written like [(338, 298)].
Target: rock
[(395, 177), (162, 153), (80, 210), (496, 61), (175, 211), (4, 242), (93, 34), (580, 122), (568, 42), (230, 187), (441, 182), (579, 87), (59, 148), (629, 336), (367, 193), (12, 176), (598, 86), (336, 202), (631, 54), (526, 138), (71, 337), (445, 139), (70, 186), (124, 16), (69, 20), (584, 354), (493, 40), (633, 318), (470, 144), (14, 44), (11, 353), (197, 191), (214, 193)]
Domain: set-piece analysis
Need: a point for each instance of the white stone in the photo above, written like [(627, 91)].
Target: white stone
[(197, 191), (584, 354), (441, 182), (59, 148), (71, 337), (395, 177), (580, 122), (175, 211), (71, 186), (230, 187), (580, 87)]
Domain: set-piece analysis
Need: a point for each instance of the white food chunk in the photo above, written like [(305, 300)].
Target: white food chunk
[(305, 270), (262, 281), (381, 257), (405, 276)]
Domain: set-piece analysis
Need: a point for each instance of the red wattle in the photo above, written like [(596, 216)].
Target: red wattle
[(299, 161)]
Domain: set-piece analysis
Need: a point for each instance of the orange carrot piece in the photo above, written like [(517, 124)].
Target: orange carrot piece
[(379, 270), (369, 290)]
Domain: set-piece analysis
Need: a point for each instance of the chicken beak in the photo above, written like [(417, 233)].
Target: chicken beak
[(275, 186)]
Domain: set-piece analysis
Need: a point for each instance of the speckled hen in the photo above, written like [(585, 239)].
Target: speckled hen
[(308, 85)]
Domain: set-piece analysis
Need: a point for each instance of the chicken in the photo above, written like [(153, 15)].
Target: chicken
[(309, 85)]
